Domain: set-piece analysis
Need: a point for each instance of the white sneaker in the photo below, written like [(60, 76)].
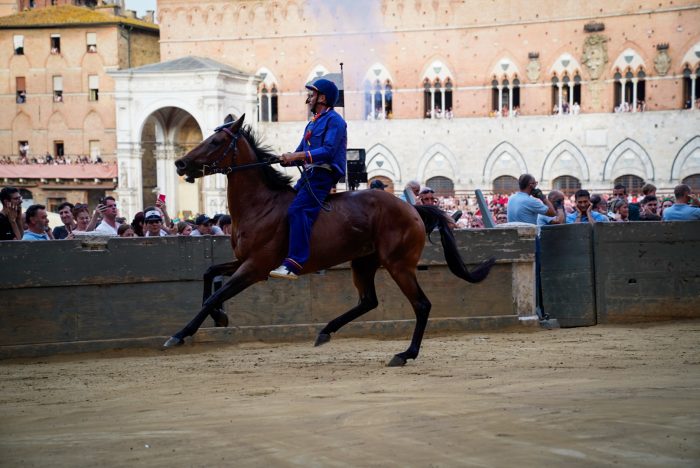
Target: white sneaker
[(283, 272)]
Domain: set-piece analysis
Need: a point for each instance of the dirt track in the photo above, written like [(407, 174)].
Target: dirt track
[(623, 396)]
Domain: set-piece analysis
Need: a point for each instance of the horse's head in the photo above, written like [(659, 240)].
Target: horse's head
[(215, 155)]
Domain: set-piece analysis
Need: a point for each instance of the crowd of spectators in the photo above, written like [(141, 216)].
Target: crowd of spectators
[(528, 205), (47, 158), (78, 220), (628, 107), (581, 206)]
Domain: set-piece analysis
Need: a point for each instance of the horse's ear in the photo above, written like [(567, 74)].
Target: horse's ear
[(239, 123), (228, 119)]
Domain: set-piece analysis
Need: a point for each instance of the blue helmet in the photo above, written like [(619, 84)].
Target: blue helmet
[(327, 88)]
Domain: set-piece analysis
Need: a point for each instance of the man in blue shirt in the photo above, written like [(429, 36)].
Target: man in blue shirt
[(681, 210), (323, 152), (37, 224), (525, 205), (584, 212)]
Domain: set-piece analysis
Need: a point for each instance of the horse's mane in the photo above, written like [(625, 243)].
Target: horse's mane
[(274, 179)]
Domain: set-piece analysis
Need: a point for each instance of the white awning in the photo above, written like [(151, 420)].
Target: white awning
[(94, 82), (91, 38), (19, 41), (58, 83)]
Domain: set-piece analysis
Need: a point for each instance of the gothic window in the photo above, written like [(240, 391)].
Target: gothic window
[(437, 96), (691, 87), (505, 185), (21, 85), (566, 184), (632, 182), (443, 186), (630, 91), (505, 96), (378, 100), (556, 96), (268, 103), (427, 99)]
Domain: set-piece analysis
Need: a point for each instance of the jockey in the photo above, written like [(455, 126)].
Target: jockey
[(322, 151)]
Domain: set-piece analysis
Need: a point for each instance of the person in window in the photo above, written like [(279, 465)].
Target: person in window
[(323, 150)]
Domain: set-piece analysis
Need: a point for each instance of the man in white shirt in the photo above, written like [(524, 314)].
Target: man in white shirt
[(108, 209)]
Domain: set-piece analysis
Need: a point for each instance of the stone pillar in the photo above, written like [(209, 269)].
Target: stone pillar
[(129, 191), (634, 94), (432, 103), (571, 95), (692, 92), (166, 176), (214, 194), (623, 83), (510, 100), (383, 103), (560, 87), (442, 100)]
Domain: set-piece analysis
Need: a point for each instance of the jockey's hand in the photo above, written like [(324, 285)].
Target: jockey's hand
[(289, 159)]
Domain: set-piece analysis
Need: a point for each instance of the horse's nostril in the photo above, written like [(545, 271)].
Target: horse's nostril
[(180, 164)]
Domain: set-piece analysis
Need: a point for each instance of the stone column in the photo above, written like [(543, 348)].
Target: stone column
[(692, 92), (129, 191), (442, 94), (214, 194), (510, 100), (623, 83), (634, 94), (571, 95), (560, 87), (383, 103), (432, 103)]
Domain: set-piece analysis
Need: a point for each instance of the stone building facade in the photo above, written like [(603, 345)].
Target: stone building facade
[(460, 95), (57, 97)]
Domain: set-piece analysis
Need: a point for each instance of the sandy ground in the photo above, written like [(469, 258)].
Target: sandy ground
[(599, 396)]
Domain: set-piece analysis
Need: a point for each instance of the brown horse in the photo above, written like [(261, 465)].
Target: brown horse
[(370, 228)]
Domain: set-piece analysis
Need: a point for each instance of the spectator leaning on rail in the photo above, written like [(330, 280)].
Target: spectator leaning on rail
[(584, 212), (37, 224), (11, 226), (686, 207), (525, 205)]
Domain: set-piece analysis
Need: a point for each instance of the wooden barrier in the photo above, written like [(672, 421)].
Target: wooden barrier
[(621, 272), (92, 294)]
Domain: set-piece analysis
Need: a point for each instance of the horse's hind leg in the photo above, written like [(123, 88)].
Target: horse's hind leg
[(222, 269), (406, 279), (363, 271)]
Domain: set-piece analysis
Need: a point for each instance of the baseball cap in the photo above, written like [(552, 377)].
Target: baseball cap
[(152, 215), (377, 184), (202, 219)]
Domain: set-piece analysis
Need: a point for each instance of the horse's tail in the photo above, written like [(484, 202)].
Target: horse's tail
[(433, 217)]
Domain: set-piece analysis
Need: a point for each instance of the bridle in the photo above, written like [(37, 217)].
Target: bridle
[(214, 168)]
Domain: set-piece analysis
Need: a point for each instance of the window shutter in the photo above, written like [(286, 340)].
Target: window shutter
[(58, 83), (55, 36), (21, 83), (91, 39), (94, 82), (18, 41)]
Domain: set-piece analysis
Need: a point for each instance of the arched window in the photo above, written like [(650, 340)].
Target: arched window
[(505, 185), (505, 96), (691, 88), (556, 95), (427, 99), (443, 186), (692, 180), (566, 184), (632, 182), (630, 91), (378, 100), (268, 103), (436, 97)]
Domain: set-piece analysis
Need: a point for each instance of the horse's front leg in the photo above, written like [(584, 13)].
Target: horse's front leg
[(222, 269), (241, 279)]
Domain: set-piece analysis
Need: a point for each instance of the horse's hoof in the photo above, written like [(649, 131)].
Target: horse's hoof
[(173, 342), (322, 338), (221, 319), (397, 361)]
